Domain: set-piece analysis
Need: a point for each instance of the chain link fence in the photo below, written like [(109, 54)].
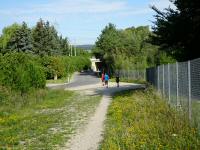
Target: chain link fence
[(132, 75), (179, 84)]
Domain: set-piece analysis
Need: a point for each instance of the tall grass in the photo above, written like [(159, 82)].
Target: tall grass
[(141, 120)]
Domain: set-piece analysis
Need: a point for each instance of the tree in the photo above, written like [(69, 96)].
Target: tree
[(108, 45), (45, 39), (38, 34), (125, 49), (7, 33), (64, 45), (178, 31), (21, 40), (52, 40)]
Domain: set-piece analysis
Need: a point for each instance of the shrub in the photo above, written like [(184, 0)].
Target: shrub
[(20, 72), (53, 65)]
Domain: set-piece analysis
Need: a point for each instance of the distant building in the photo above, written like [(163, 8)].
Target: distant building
[(95, 64)]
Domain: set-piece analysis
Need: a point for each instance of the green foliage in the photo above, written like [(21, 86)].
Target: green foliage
[(20, 72), (41, 40), (45, 39), (63, 66), (141, 120), (7, 33), (125, 49), (81, 63), (178, 31), (64, 46), (21, 40)]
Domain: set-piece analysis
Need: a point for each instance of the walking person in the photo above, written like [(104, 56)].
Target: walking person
[(103, 78), (106, 78), (117, 79)]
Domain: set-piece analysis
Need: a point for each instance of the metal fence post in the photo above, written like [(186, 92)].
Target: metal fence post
[(158, 84), (163, 81), (177, 85), (169, 88), (189, 92), (128, 74)]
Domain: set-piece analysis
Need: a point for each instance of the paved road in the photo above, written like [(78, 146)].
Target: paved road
[(81, 79)]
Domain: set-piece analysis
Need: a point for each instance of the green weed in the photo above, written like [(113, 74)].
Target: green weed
[(46, 122), (141, 120)]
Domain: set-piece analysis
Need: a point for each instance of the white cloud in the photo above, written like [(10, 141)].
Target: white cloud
[(136, 12), (68, 7), (162, 4)]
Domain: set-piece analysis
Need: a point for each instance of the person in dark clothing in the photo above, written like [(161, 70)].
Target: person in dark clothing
[(117, 80)]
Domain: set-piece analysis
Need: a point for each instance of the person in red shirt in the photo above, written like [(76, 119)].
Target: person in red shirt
[(103, 78)]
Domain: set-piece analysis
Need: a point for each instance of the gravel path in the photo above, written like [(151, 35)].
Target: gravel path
[(89, 137)]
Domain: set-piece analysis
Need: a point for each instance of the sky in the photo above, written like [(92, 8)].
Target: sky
[(80, 20)]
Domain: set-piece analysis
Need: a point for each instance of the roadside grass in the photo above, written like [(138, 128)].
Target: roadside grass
[(62, 80), (141, 120), (129, 80), (196, 113), (46, 122)]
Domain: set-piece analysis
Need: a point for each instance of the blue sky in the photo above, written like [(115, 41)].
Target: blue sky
[(80, 20)]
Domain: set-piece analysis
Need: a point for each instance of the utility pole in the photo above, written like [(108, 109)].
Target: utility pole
[(69, 47), (75, 49), (75, 46), (71, 50)]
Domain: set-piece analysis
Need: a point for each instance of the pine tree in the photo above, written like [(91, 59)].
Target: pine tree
[(64, 45), (46, 40), (21, 40), (52, 39), (38, 35)]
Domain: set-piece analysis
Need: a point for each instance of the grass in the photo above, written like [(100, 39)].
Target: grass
[(46, 122), (141, 120), (196, 113), (62, 80), (129, 80)]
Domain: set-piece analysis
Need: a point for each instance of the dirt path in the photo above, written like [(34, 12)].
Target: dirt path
[(89, 137)]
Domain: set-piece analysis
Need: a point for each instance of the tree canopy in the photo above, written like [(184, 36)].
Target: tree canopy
[(178, 31), (42, 39), (21, 39), (126, 49)]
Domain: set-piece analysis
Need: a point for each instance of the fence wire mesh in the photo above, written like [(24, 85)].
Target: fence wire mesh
[(179, 84), (132, 74), (195, 90), (183, 85)]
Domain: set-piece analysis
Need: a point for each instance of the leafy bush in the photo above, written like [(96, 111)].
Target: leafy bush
[(63, 65), (20, 72), (53, 65)]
